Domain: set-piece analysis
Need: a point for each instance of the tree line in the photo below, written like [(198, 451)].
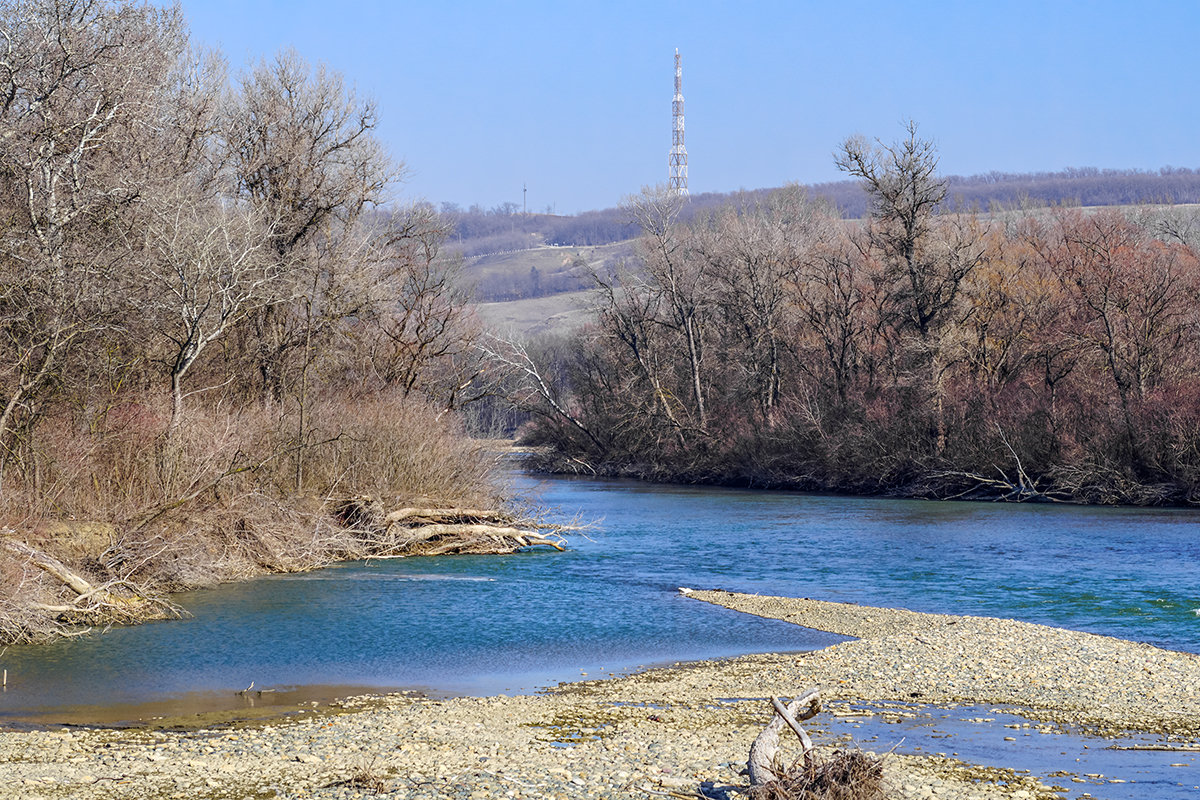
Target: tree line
[(1044, 354)]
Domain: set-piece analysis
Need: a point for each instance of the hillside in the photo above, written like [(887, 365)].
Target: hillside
[(478, 231), (556, 313), (541, 270), (531, 272)]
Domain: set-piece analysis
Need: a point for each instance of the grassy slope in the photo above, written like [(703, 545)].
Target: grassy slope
[(548, 259), (551, 313), (555, 313)]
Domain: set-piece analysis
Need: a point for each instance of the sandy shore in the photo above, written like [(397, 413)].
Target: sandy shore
[(677, 729)]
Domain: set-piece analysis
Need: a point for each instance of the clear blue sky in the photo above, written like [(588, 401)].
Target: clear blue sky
[(574, 99)]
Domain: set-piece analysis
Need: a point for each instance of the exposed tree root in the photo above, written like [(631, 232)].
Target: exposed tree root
[(844, 775)]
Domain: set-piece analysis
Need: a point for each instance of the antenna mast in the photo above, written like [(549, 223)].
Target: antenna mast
[(677, 170)]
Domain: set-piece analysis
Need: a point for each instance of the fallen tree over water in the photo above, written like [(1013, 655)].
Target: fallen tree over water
[(442, 531), (64, 582)]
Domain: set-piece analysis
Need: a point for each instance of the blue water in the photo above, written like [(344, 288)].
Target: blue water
[(488, 624), (1104, 773)]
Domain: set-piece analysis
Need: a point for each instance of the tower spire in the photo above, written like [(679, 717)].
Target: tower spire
[(677, 170)]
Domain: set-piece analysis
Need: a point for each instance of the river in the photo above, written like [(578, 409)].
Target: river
[(610, 604)]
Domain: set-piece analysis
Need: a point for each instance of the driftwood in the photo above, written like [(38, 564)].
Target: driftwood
[(475, 538), (840, 775), (444, 514), (764, 751), (117, 601), (440, 531), (1020, 488), (1161, 748)]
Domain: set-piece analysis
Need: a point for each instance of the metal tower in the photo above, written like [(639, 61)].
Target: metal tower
[(677, 158)]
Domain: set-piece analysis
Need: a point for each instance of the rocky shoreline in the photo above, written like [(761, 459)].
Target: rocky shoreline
[(677, 730), (1054, 674)]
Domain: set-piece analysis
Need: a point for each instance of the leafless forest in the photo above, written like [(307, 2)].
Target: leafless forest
[(214, 320), (1046, 354), (224, 344)]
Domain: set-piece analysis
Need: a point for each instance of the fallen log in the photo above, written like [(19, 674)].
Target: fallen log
[(466, 533), (415, 530), (116, 601), (447, 515), (53, 567)]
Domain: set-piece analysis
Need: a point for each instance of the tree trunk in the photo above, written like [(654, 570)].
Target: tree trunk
[(766, 746)]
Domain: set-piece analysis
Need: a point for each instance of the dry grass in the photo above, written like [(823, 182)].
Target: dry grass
[(844, 775), (231, 494), (391, 447)]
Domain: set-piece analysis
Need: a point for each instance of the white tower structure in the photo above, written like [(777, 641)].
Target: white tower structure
[(677, 170)]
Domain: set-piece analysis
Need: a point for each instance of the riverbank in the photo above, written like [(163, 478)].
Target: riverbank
[(350, 529), (1074, 486), (673, 729), (229, 496)]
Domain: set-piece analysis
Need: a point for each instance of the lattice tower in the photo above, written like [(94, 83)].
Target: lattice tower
[(677, 169)]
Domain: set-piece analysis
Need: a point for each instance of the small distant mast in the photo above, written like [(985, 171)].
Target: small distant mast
[(677, 169)]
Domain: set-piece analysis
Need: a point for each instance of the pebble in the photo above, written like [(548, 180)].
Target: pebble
[(1055, 674), (662, 730)]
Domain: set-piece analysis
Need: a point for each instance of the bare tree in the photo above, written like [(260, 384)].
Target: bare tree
[(528, 385), (754, 252), (1174, 224), (208, 266), (1133, 298), (423, 334), (927, 256), (678, 283), (304, 154), (187, 145), (627, 314), (905, 191), (831, 300), (77, 82)]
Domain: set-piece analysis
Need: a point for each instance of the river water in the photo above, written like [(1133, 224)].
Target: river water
[(505, 623), (610, 604)]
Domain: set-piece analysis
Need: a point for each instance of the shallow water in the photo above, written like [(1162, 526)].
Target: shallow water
[(509, 623), (1097, 767)]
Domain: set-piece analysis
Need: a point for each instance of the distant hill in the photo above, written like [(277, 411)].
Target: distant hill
[(504, 228), (541, 270), (1083, 186), (498, 230), (532, 272)]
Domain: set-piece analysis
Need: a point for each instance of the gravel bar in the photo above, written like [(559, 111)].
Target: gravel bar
[(674, 730), (1054, 674)]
